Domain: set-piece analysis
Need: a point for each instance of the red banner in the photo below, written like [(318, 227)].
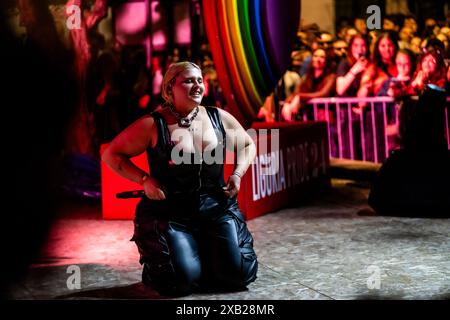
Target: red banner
[(286, 175)]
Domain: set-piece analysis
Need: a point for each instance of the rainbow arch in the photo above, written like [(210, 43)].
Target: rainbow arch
[(250, 41)]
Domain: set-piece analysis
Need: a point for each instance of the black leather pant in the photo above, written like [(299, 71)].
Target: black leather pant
[(199, 242)]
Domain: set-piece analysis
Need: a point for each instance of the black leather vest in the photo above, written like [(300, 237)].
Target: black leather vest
[(194, 176)]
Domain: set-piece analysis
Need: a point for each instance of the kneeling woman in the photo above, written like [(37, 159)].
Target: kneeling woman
[(189, 230)]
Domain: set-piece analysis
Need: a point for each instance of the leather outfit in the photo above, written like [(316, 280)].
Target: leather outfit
[(197, 238)]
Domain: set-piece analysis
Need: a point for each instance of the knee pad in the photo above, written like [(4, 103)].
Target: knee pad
[(162, 278), (249, 267)]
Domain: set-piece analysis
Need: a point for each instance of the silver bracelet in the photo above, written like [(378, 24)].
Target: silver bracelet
[(236, 174)]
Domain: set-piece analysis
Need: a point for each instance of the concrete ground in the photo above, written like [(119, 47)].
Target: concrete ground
[(329, 248)]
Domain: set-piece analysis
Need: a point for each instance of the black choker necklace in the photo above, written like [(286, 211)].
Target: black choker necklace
[(183, 122)]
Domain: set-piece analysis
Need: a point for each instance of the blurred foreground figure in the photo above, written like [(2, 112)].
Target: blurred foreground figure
[(415, 180), (37, 94)]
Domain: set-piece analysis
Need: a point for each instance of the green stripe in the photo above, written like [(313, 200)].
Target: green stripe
[(249, 50)]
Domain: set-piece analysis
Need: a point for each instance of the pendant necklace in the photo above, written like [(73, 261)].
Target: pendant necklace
[(183, 122)]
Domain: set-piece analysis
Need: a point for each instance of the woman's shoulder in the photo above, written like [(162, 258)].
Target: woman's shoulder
[(138, 134), (146, 121), (213, 110), (158, 112), (221, 115), (163, 113), (209, 108)]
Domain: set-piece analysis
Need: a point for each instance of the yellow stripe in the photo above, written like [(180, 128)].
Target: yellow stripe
[(239, 86)]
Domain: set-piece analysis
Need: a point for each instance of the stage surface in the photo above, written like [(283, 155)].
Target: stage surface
[(328, 248)]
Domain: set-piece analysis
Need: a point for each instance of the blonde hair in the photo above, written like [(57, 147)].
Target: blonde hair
[(170, 76)]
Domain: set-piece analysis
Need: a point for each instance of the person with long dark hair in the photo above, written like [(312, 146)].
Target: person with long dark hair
[(380, 70), (351, 68), (348, 81), (431, 69), (319, 81), (382, 66)]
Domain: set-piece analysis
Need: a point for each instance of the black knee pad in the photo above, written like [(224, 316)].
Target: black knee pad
[(249, 262), (162, 278), (245, 273), (249, 267)]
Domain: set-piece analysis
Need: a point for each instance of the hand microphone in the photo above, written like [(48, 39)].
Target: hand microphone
[(130, 194)]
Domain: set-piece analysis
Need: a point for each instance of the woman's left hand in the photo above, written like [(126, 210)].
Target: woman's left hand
[(232, 187)]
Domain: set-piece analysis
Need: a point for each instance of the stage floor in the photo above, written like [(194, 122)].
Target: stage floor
[(329, 248)]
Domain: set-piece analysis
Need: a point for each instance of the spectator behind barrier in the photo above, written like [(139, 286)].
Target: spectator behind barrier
[(319, 82), (382, 66), (350, 69), (430, 70), (400, 85)]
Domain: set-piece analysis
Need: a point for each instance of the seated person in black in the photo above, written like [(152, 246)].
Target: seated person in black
[(189, 230), (415, 179)]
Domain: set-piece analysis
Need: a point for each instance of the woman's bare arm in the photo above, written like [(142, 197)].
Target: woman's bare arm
[(131, 142), (241, 142), (325, 91), (344, 82), (238, 140)]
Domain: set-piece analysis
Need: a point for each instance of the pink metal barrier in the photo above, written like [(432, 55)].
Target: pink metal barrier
[(366, 135)]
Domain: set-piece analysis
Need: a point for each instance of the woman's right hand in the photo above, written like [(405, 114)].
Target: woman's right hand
[(153, 190), (358, 109), (290, 108), (359, 66), (419, 80)]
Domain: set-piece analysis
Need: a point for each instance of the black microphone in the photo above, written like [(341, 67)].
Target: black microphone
[(130, 194)]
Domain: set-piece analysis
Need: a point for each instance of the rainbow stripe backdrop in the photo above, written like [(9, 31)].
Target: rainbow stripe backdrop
[(251, 42)]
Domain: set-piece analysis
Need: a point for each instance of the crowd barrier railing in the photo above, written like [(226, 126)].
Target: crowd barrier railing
[(366, 134)]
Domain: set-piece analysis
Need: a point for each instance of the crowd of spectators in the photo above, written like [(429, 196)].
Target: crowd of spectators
[(397, 61)]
